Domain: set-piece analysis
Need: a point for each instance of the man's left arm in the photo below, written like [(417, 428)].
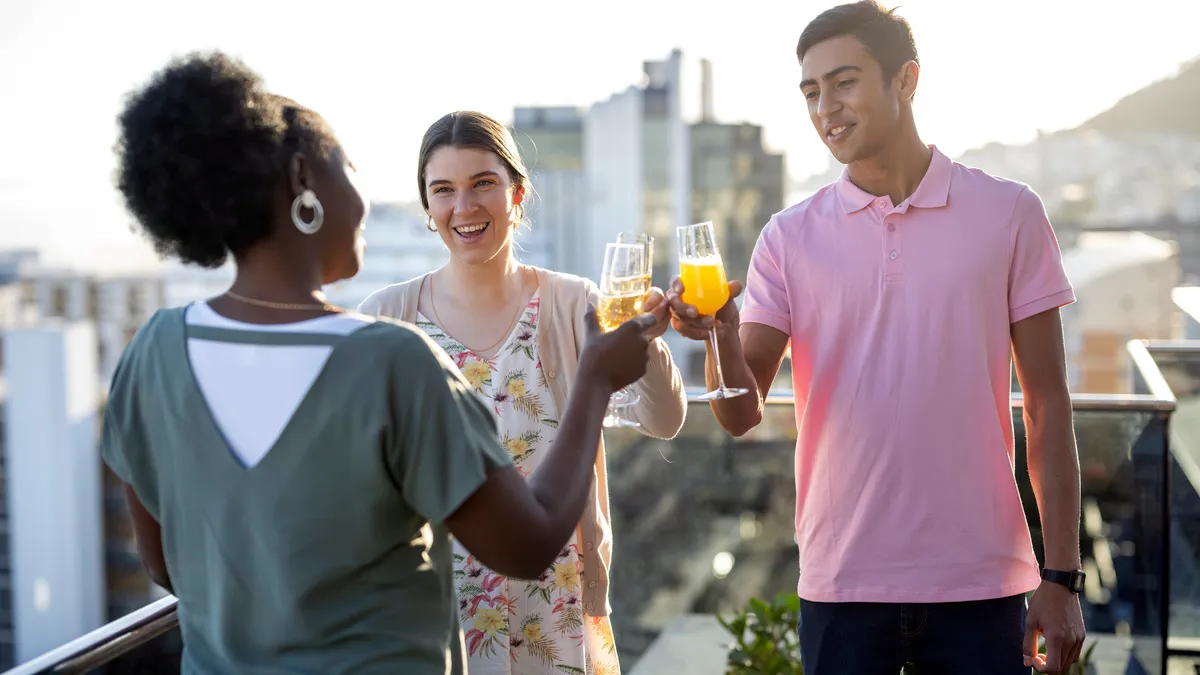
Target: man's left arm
[(1054, 611)]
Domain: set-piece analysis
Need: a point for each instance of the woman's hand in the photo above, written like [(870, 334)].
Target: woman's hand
[(657, 305)]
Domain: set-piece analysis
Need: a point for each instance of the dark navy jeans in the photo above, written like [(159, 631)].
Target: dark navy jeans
[(857, 638)]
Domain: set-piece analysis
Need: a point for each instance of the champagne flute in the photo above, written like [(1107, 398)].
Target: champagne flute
[(624, 283), (705, 288), (626, 396)]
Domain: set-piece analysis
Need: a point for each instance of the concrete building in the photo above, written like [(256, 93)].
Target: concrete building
[(637, 165), (1123, 287), (52, 479), (737, 184), (116, 305), (550, 140), (651, 158)]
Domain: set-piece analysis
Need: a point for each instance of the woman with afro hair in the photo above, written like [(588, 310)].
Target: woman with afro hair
[(294, 471)]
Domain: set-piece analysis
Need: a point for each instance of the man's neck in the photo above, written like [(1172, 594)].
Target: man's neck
[(895, 172)]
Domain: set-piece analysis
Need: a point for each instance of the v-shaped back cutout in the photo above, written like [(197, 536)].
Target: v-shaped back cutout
[(252, 412)]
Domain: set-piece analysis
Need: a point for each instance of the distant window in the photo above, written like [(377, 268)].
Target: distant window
[(134, 300), (58, 301), (93, 301)]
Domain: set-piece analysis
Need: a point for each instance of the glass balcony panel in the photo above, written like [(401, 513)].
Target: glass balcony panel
[(705, 522)]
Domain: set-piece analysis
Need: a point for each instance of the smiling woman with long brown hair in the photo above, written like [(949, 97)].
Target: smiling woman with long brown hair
[(515, 332)]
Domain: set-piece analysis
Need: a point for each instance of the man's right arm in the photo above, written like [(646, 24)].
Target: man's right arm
[(750, 359), (751, 353)]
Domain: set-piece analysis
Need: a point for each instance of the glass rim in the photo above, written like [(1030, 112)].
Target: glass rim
[(681, 228), (617, 245)]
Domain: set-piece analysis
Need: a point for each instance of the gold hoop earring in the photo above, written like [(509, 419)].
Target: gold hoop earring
[(430, 226)]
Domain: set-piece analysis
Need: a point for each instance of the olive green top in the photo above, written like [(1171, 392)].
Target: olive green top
[(328, 556)]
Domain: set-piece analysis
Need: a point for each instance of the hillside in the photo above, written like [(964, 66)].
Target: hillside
[(1171, 105)]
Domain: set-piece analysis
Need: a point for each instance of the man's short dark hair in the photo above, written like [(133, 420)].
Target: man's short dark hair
[(886, 36)]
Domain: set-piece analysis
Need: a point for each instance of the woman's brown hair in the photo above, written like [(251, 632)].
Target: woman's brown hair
[(468, 129)]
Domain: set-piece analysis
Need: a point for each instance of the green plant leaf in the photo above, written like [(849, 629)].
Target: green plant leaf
[(791, 602), (762, 611), (766, 642)]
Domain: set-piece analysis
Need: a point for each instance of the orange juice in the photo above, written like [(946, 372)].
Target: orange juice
[(704, 284)]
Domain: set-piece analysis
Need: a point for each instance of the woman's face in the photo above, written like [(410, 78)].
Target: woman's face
[(472, 200)]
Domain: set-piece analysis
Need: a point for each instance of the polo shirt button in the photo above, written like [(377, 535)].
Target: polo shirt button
[(550, 374), (893, 255), (588, 607), (589, 546), (880, 203), (591, 584), (891, 227)]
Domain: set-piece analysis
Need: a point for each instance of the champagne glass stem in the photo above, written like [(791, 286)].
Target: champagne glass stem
[(716, 356)]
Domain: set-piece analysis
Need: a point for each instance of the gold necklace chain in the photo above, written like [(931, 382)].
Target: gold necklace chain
[(283, 305), (481, 352)]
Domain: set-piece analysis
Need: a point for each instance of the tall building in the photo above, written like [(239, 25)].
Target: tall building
[(52, 478), (7, 620), (58, 324), (550, 140), (649, 159), (637, 163), (737, 184), (116, 305)]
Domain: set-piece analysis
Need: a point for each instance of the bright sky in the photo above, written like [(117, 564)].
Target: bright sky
[(381, 72)]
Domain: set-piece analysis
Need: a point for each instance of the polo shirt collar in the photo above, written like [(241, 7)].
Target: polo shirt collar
[(932, 192)]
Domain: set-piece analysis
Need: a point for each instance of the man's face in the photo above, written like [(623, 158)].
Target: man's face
[(853, 106)]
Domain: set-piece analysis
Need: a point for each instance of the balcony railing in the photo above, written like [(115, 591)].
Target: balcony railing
[(111, 642), (1140, 534)]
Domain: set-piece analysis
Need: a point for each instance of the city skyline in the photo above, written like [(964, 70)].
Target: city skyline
[(72, 63)]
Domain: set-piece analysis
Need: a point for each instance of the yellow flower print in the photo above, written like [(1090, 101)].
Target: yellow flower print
[(477, 372), (517, 447), (604, 627), (517, 387), (489, 620), (566, 576), (533, 631)]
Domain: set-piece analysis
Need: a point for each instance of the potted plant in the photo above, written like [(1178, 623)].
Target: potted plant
[(765, 639)]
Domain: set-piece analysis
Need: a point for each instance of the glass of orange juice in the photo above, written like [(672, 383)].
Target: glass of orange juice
[(705, 287)]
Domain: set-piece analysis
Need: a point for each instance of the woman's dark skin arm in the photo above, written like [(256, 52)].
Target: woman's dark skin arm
[(517, 527), (148, 535)]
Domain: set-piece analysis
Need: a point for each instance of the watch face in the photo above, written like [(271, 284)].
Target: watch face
[(1077, 582)]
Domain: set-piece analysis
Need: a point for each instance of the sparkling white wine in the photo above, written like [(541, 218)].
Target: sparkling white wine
[(622, 300)]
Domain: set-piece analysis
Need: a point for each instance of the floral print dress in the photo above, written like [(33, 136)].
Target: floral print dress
[(523, 627)]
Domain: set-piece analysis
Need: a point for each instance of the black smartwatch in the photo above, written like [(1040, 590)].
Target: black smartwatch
[(1072, 580)]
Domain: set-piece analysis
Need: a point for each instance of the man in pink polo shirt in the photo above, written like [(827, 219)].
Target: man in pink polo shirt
[(904, 290)]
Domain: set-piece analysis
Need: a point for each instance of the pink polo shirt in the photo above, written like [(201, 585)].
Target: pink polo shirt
[(899, 323)]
